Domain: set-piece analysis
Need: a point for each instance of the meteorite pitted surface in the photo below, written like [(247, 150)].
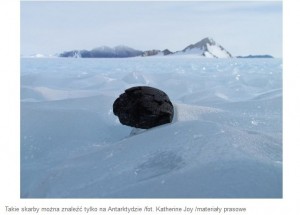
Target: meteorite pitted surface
[(143, 107)]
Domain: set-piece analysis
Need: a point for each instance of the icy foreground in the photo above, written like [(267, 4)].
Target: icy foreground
[(225, 140)]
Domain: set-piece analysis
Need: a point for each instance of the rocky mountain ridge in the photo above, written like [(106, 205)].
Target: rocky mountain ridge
[(206, 47)]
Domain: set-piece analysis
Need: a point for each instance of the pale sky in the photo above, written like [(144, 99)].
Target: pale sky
[(240, 27)]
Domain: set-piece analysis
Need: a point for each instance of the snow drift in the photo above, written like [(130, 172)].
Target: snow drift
[(225, 140)]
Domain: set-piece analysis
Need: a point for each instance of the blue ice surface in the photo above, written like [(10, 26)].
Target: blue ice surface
[(224, 142)]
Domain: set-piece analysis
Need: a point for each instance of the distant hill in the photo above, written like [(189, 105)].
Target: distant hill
[(256, 56), (206, 47), (156, 52), (103, 52)]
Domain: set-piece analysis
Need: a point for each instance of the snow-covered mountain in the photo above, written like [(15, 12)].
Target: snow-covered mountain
[(207, 47), (104, 52)]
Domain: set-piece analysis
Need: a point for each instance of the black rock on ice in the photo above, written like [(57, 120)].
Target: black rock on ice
[(143, 107)]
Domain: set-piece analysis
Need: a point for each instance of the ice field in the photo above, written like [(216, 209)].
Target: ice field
[(225, 140)]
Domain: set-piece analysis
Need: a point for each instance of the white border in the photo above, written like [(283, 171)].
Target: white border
[(10, 124)]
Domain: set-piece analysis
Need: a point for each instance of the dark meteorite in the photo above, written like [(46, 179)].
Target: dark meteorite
[(143, 107)]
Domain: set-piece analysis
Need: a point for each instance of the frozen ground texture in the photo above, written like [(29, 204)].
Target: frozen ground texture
[(225, 140)]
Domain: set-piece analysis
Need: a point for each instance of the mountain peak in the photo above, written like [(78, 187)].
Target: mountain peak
[(204, 42), (209, 48)]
